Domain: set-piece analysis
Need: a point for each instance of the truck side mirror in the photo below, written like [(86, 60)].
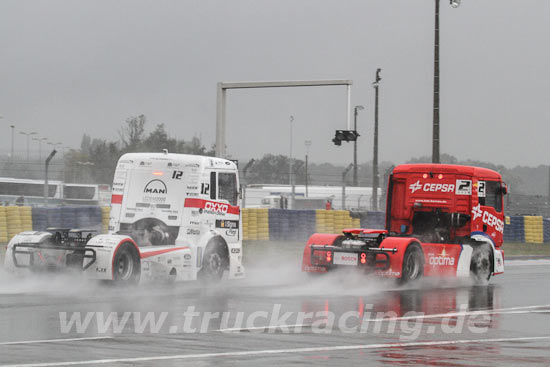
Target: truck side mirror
[(503, 188), (459, 220)]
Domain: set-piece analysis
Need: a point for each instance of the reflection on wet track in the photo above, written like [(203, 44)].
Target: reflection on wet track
[(279, 318)]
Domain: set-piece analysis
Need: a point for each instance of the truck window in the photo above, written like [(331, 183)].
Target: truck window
[(213, 189), (493, 196), (228, 187)]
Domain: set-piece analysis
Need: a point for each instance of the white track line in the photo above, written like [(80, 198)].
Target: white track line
[(535, 262), (501, 311), (512, 310), (277, 351), (268, 327), (55, 340)]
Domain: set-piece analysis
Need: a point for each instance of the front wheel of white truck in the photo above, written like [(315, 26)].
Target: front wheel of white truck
[(214, 262)]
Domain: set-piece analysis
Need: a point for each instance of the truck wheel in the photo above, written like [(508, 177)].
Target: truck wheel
[(214, 263), (126, 265), (413, 263), (480, 266)]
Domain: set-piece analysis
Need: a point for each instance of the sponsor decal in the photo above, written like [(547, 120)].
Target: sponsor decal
[(155, 187), (431, 187), (187, 257), (205, 189), (476, 211), (193, 232), (490, 219), (481, 189), (390, 273), (441, 259), (224, 223), (215, 208), (231, 232), (195, 165), (211, 207), (431, 201), (194, 223), (235, 250), (415, 186), (463, 187), (192, 187)]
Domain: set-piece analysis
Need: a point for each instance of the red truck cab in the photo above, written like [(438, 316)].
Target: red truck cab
[(445, 203)]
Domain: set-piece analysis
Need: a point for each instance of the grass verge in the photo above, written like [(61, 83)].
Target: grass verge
[(519, 248)]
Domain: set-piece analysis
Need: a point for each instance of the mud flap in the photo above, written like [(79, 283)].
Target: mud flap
[(236, 268), (499, 261), (463, 266)]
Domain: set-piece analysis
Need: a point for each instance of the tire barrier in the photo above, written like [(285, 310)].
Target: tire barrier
[(514, 229), (546, 229), (3, 225), (105, 217), (16, 219), (533, 229), (257, 224)]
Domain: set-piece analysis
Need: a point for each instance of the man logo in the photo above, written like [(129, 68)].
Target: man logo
[(155, 187)]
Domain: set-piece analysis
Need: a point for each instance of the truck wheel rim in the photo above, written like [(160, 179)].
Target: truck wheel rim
[(482, 267), (125, 266), (214, 263)]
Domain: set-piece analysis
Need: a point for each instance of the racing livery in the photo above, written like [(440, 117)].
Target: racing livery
[(173, 216), (441, 220)]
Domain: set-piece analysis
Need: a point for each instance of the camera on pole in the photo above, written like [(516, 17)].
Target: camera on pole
[(344, 135)]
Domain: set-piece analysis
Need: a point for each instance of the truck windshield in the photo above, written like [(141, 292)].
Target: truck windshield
[(228, 187), (493, 196)]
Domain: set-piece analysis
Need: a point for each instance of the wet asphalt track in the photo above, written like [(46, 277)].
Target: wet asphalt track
[(512, 329)]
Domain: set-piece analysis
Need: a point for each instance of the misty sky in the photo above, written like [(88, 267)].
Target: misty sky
[(70, 67)]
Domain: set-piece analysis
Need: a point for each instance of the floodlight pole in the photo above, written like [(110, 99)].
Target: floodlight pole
[(222, 99), (46, 193)]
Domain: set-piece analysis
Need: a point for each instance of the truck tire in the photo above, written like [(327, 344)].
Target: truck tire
[(413, 263), (214, 262), (126, 265), (480, 266)]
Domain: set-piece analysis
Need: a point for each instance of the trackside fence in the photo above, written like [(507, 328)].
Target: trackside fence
[(257, 224)]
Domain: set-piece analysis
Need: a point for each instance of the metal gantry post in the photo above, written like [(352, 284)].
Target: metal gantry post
[(355, 180), (375, 182)]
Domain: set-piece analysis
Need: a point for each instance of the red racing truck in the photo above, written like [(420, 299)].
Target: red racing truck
[(441, 220)]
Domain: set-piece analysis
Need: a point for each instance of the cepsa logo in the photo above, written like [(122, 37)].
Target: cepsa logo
[(431, 187), (215, 208), (488, 218), (155, 187)]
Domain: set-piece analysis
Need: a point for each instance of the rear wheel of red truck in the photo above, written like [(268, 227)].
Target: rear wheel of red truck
[(413, 263)]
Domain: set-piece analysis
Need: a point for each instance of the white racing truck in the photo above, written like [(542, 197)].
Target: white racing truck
[(173, 217)]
